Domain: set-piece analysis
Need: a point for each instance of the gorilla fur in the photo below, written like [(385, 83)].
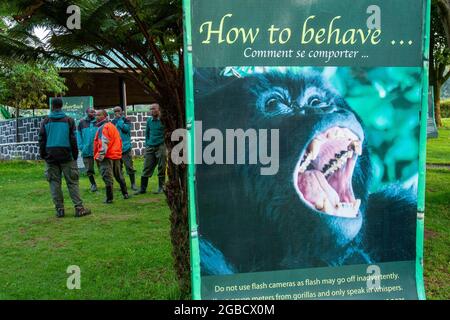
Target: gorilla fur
[(251, 223)]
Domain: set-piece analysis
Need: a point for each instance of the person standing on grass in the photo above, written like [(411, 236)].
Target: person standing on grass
[(58, 147), (124, 126), (86, 133), (108, 153), (155, 150)]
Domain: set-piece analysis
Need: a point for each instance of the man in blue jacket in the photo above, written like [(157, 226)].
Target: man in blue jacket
[(155, 151), (86, 133), (58, 147), (124, 126)]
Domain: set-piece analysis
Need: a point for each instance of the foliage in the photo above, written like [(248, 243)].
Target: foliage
[(439, 50), (388, 100), (4, 113), (26, 86), (445, 108)]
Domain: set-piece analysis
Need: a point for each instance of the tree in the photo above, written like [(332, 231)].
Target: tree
[(26, 86), (439, 51), (141, 40)]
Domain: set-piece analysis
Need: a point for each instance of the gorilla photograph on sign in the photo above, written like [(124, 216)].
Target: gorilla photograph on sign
[(345, 189)]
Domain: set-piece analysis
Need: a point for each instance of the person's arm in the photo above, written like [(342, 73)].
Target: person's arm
[(80, 136), (147, 130), (73, 139), (104, 143), (126, 125), (42, 140)]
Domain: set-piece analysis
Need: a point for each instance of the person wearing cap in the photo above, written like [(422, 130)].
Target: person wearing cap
[(124, 126), (155, 151), (58, 147), (108, 153), (87, 129)]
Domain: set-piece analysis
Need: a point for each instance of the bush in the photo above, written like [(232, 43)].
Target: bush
[(445, 108)]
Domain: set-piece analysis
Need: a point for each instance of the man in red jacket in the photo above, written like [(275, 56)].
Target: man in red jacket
[(108, 152)]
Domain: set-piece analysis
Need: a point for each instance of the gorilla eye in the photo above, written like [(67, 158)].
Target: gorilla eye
[(314, 102), (275, 104), (271, 104)]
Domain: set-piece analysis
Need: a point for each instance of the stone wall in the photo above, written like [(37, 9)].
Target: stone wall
[(138, 124), (27, 147)]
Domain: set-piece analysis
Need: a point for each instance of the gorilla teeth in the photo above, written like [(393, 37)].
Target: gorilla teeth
[(320, 187), (312, 153), (341, 133), (336, 164), (356, 146), (305, 163), (315, 146), (346, 209)]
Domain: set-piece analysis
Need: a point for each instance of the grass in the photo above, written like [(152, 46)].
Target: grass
[(439, 149), (123, 250), (437, 217), (437, 235)]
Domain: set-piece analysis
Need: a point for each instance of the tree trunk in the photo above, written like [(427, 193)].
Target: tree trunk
[(173, 117), (437, 103), (444, 14), (176, 195)]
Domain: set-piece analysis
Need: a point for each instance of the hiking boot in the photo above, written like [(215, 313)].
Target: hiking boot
[(123, 189), (81, 212), (160, 187), (109, 194), (93, 184), (133, 182), (60, 213), (144, 184)]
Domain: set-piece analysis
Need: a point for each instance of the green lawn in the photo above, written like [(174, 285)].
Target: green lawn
[(439, 149), (123, 250), (437, 217), (437, 234)]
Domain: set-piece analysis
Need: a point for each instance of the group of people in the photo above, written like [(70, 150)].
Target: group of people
[(102, 142)]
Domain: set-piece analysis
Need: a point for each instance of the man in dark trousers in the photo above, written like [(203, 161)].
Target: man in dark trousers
[(58, 147), (155, 150), (86, 133), (108, 152), (124, 126)]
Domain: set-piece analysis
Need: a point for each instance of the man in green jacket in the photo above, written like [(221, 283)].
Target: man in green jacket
[(86, 133), (124, 126), (58, 147), (155, 150)]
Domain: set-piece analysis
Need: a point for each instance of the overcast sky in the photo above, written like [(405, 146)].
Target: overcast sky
[(41, 32)]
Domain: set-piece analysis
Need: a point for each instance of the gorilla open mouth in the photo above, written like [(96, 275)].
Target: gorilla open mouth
[(323, 176)]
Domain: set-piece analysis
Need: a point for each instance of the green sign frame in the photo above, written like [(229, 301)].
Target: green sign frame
[(190, 120)]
